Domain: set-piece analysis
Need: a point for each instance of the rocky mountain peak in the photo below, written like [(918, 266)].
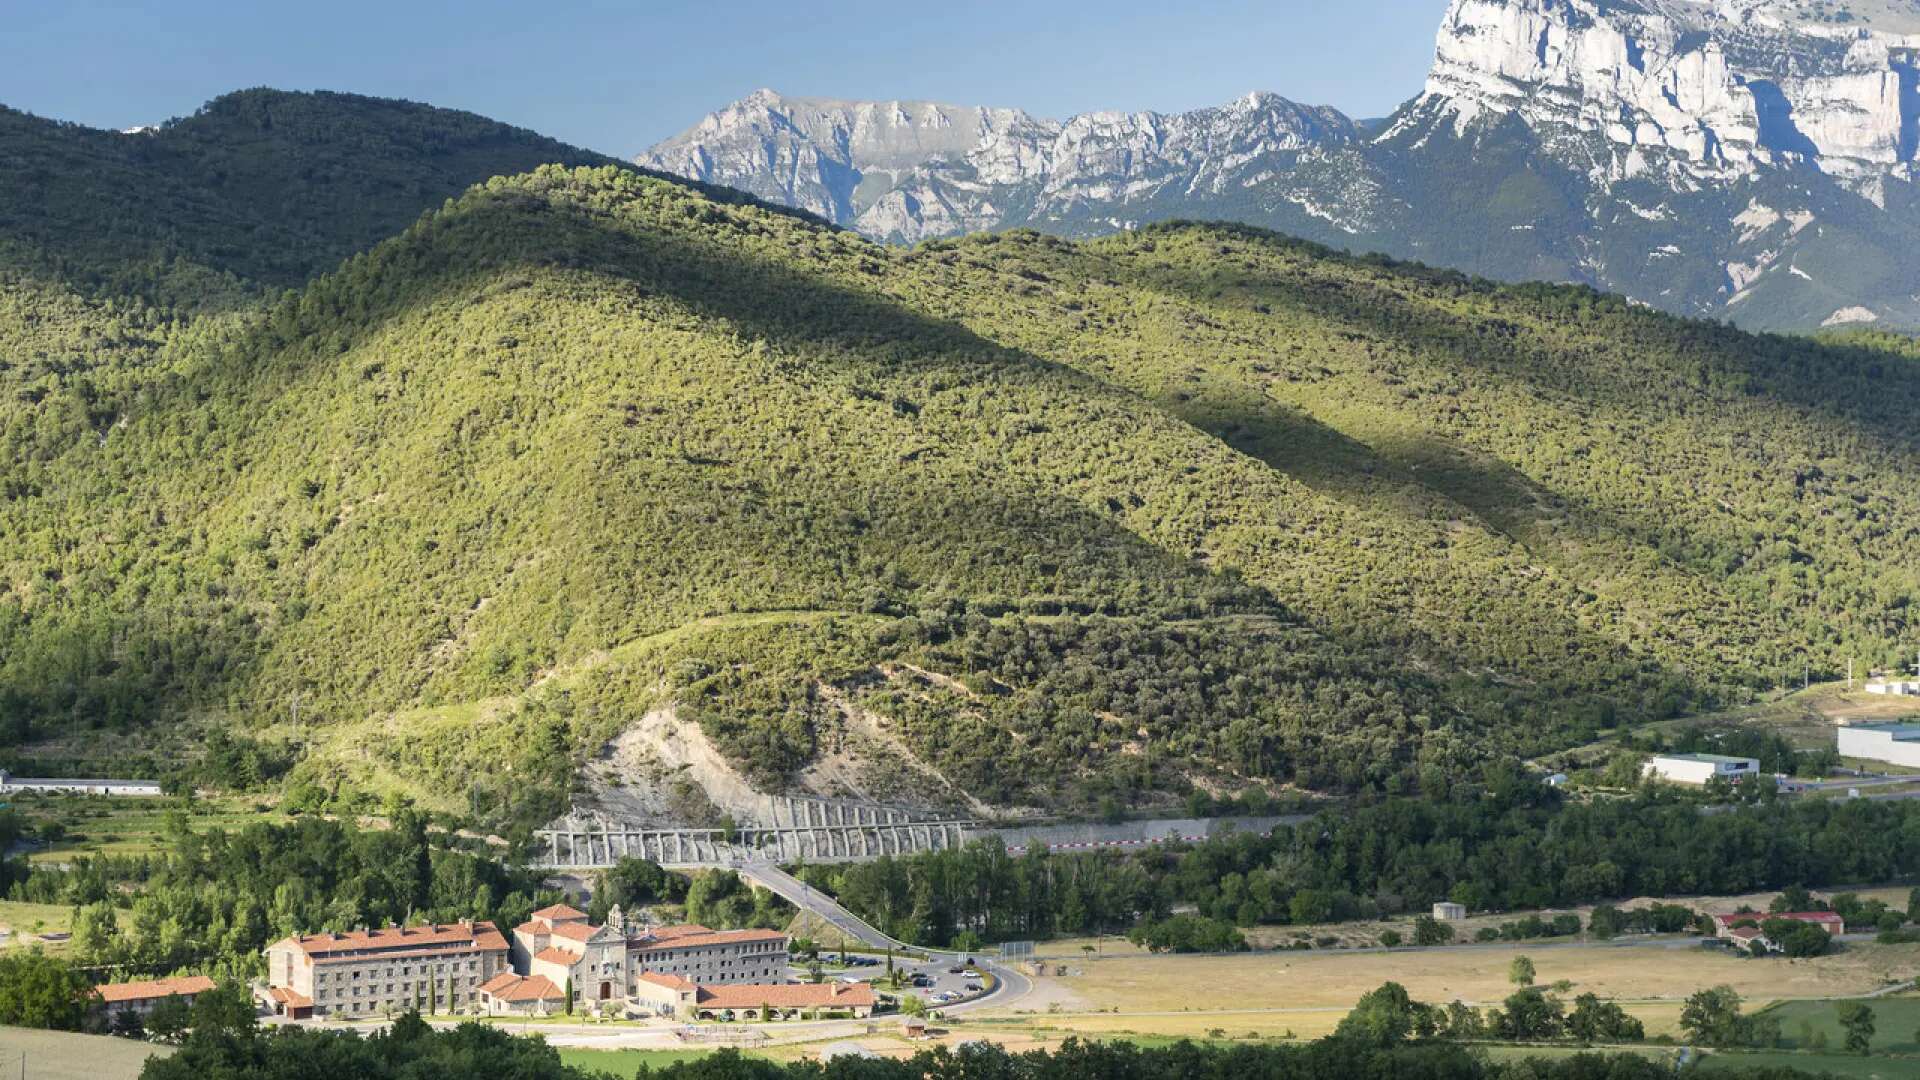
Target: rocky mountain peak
[(905, 170), (1753, 159), (1705, 88)]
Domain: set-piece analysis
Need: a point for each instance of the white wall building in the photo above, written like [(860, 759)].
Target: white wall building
[(1895, 744), (1700, 768), (13, 785), (1895, 688), (559, 944)]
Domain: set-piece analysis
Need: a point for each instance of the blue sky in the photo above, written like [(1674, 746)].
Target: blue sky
[(617, 77)]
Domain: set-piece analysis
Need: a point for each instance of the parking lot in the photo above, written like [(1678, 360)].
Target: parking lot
[(938, 983)]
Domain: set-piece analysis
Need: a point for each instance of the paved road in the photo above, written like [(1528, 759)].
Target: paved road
[(1009, 985)]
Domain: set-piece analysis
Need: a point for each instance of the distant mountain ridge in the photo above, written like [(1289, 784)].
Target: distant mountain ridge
[(904, 171), (1744, 159)]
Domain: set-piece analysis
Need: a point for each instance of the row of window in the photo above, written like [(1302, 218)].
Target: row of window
[(442, 968), (407, 993), (377, 1005)]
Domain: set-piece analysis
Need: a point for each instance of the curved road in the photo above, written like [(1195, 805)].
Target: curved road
[(1008, 985)]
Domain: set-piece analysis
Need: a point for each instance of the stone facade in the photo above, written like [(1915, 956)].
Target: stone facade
[(604, 965), (374, 972), (559, 944)]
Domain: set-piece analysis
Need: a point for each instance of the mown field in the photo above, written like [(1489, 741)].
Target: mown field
[(1308, 992), (64, 1055)]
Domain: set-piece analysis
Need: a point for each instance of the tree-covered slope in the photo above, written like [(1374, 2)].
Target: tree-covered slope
[(1194, 505), (260, 188)]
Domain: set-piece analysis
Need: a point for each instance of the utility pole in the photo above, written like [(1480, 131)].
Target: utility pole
[(1849, 674)]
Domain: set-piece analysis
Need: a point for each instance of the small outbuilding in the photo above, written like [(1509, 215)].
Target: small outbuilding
[(1449, 912), (139, 998), (507, 994)]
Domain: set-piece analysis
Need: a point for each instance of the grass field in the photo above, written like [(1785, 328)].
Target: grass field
[(63, 1055), (1306, 993), (26, 922), (99, 825), (626, 1062), (1841, 1065), (1896, 1024), (1805, 717)]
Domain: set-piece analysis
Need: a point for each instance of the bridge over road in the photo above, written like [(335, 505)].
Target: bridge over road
[(1009, 985)]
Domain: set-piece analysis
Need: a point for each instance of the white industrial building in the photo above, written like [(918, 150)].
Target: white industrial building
[(1895, 744), (1895, 688), (1700, 768)]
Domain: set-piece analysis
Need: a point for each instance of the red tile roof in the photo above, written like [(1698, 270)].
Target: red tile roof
[(507, 986), (1818, 918), (671, 982), (557, 956), (695, 941), (576, 931), (559, 912), (668, 933), (114, 993), (790, 996), (292, 999), (479, 935)]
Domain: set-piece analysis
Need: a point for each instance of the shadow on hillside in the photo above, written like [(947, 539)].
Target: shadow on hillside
[(723, 268), (1653, 366), (1647, 359)]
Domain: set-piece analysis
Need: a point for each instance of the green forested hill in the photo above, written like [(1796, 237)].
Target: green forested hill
[(260, 188), (1192, 504)]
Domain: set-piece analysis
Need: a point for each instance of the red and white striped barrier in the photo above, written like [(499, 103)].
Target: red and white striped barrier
[(1125, 843)]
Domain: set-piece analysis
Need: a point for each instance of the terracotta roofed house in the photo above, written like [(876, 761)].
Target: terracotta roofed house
[(671, 995), (508, 994), (369, 972), (559, 944), (787, 999), (139, 998), (1728, 927)]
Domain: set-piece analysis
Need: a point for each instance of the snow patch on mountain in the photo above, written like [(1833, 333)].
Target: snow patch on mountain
[(1713, 89)]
